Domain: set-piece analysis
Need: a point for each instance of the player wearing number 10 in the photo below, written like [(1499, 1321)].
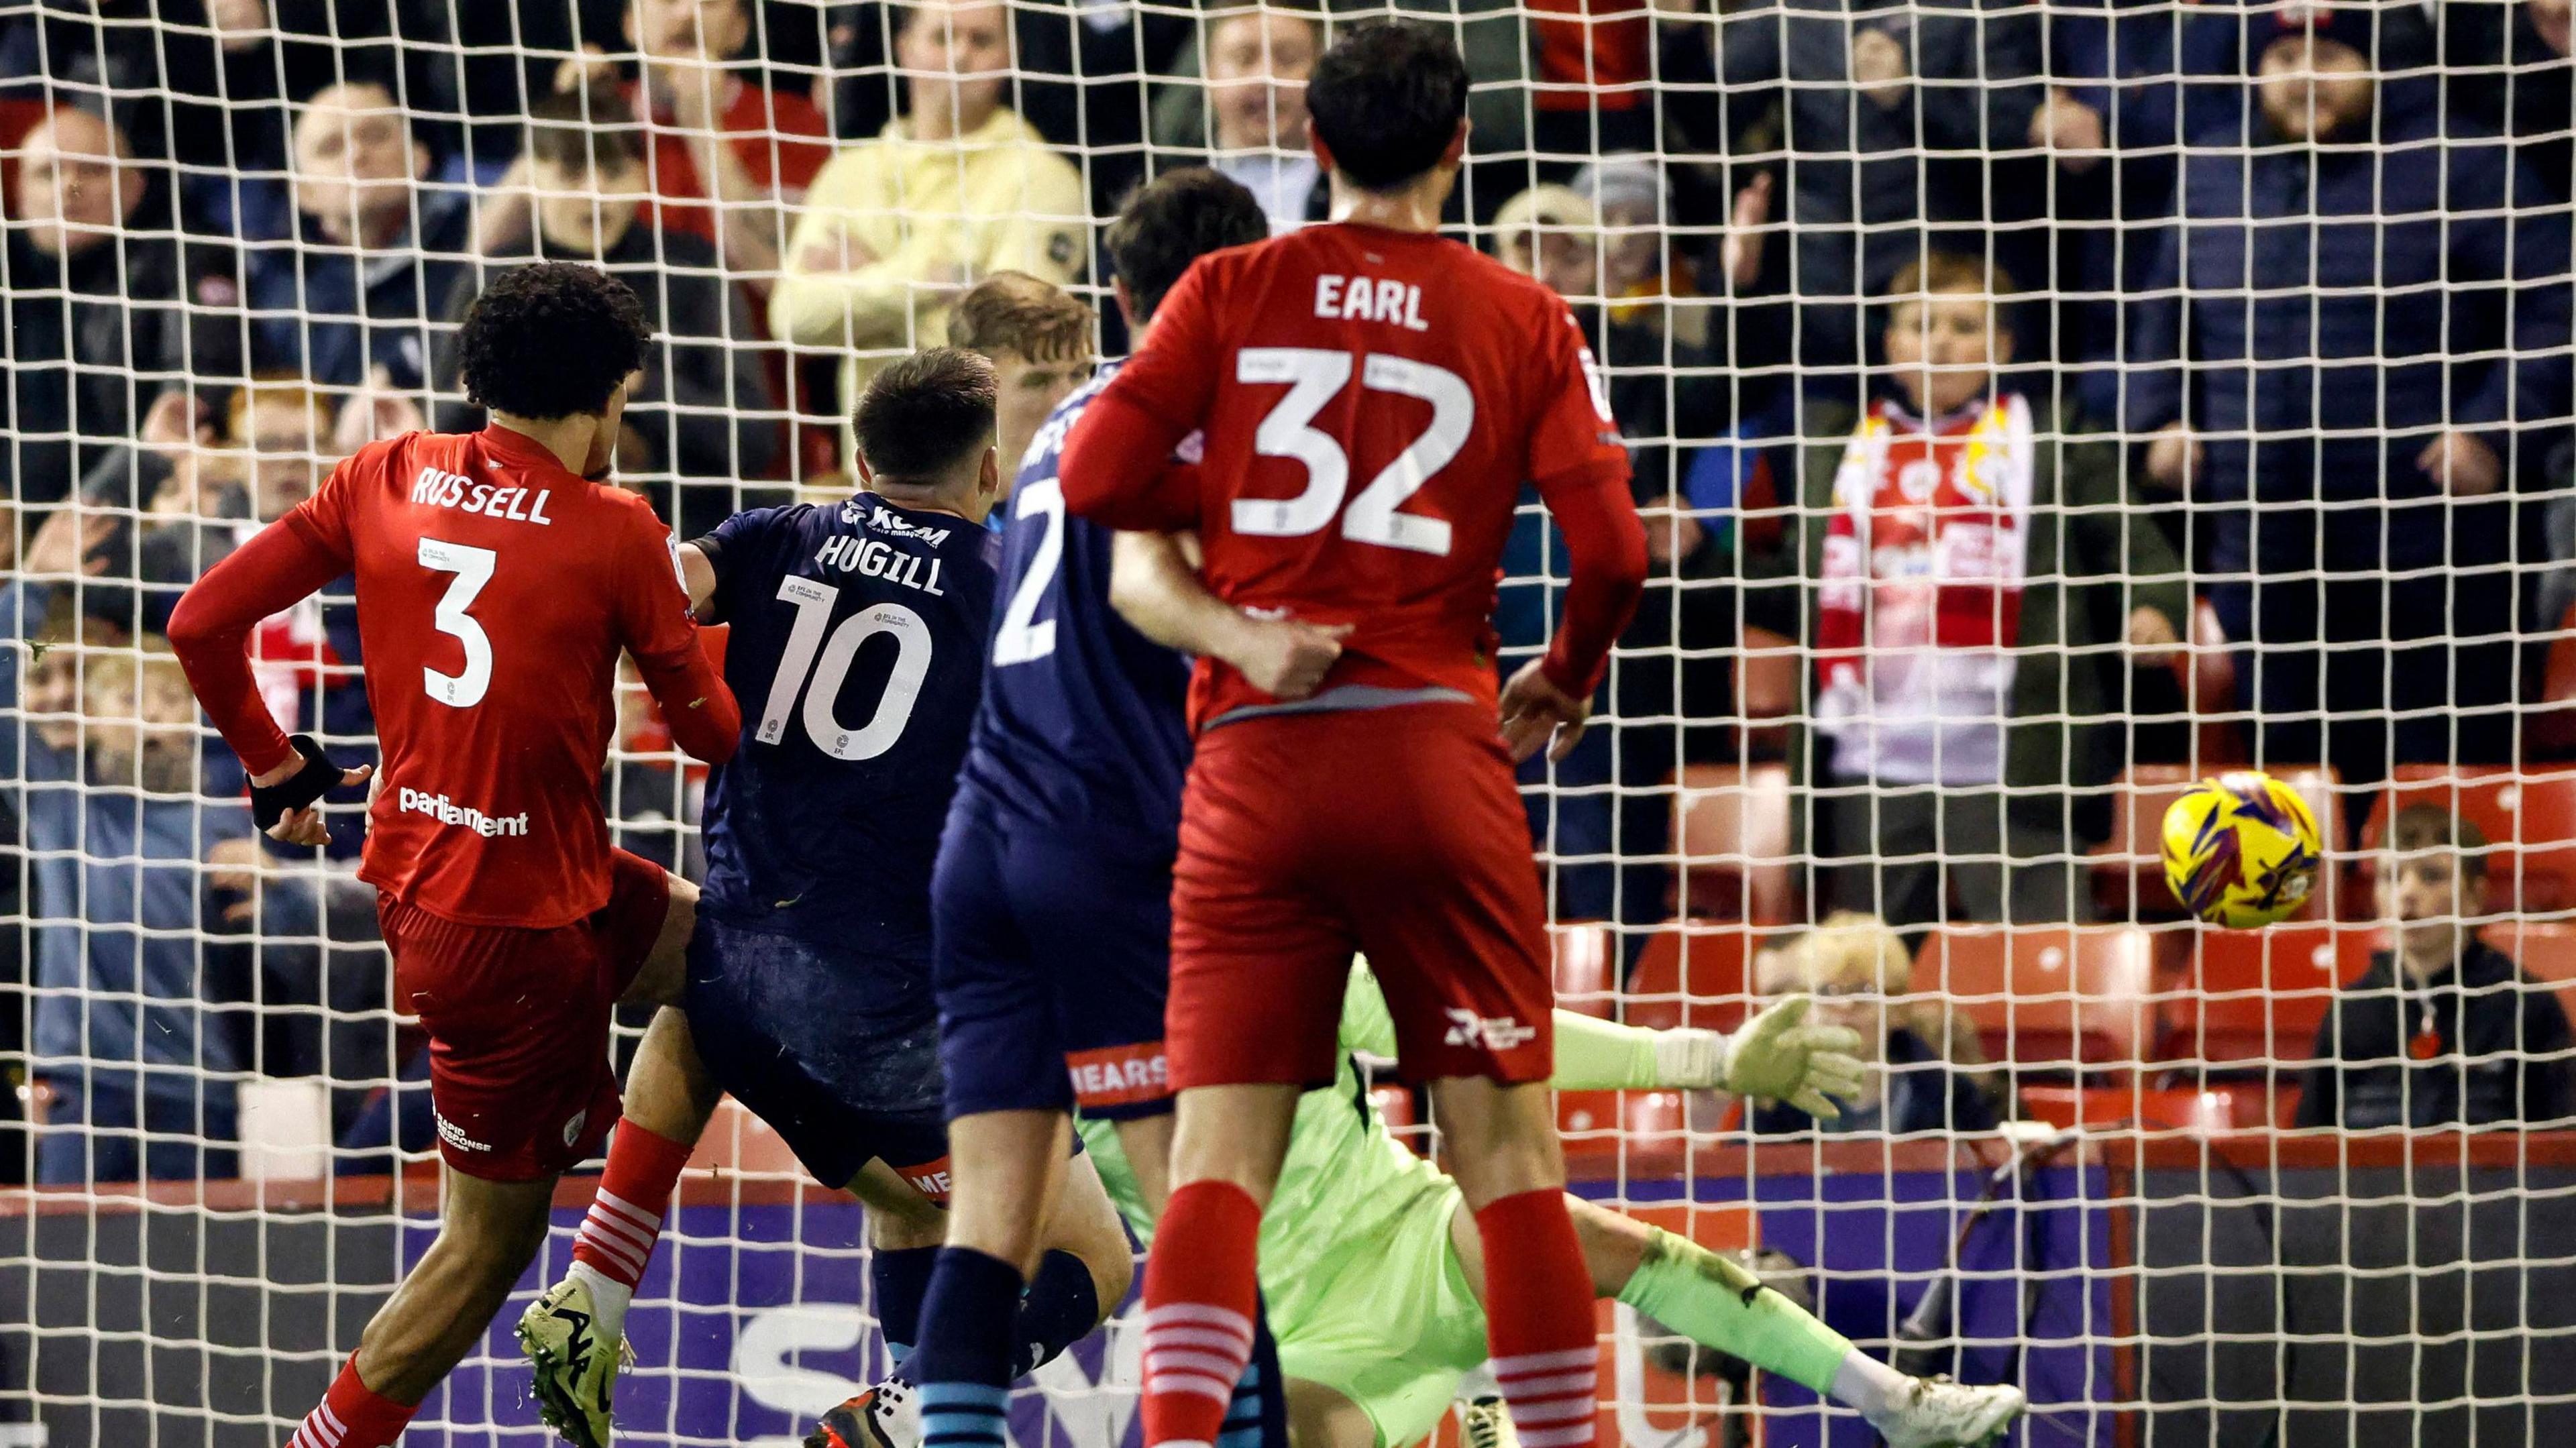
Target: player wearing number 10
[(1372, 399), (498, 581)]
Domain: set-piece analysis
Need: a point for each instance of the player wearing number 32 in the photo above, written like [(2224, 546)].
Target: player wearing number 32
[(1372, 399), (498, 581)]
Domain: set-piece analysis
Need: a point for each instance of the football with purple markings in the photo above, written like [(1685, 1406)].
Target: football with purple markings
[(2242, 850)]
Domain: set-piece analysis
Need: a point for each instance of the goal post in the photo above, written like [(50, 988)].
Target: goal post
[(2035, 408)]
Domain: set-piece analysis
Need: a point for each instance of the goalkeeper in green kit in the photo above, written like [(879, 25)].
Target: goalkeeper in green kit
[(1372, 1276)]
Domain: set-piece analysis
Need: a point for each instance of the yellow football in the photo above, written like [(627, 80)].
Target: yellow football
[(2242, 850)]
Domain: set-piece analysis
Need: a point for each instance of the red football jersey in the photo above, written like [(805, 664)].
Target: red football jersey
[(495, 591), (1372, 402)]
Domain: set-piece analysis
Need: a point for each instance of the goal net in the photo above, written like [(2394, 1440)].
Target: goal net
[(2035, 409)]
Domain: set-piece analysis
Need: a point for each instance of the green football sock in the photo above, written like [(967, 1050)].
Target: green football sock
[(1717, 1304)]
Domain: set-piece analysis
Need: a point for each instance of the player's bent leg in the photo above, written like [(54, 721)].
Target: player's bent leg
[(1147, 1142), (1321, 1417), (1512, 1173), (1714, 1302), (574, 1333), (658, 982), (1084, 1223), (488, 1233)]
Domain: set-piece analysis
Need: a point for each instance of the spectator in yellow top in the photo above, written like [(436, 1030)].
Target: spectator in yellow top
[(954, 189)]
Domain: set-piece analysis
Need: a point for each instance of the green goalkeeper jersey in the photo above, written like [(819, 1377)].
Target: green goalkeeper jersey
[(1346, 1181)]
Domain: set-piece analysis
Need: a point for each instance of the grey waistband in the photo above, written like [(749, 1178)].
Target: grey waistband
[(1347, 697)]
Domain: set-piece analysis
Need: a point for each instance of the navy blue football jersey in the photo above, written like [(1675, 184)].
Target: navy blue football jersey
[(858, 654), (1084, 727)]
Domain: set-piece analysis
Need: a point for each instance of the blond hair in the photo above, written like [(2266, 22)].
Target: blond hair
[(1845, 945)]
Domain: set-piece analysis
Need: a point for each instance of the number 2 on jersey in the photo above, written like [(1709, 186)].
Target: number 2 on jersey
[(473, 569), (1023, 637), (829, 662), (1314, 377)]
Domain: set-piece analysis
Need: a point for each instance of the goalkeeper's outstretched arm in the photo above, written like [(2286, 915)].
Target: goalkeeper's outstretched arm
[(1776, 1055)]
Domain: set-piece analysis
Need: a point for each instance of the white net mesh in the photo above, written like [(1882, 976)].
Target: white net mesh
[(2037, 407)]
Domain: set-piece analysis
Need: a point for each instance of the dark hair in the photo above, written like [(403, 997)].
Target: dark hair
[(1183, 216), (588, 126), (2420, 828), (924, 414), (1037, 319), (1386, 99), (550, 339)]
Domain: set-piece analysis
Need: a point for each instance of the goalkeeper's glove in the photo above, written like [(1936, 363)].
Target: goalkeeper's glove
[(1774, 1056)]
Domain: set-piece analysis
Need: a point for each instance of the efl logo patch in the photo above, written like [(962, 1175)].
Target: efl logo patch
[(930, 1179), (1119, 1075)]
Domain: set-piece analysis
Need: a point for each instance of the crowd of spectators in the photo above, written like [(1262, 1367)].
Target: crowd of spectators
[(1971, 345)]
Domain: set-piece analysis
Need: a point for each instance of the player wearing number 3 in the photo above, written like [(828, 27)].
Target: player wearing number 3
[(498, 581), (1372, 399)]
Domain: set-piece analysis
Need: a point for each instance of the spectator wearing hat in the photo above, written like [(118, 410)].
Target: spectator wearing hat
[(2352, 346)]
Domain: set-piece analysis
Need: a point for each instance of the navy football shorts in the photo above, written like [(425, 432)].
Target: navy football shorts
[(838, 1052), (1052, 960)]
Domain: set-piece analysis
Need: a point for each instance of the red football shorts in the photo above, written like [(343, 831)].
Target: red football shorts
[(518, 1023), (1395, 832)]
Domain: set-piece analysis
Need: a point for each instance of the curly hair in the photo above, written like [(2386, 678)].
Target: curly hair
[(549, 340)]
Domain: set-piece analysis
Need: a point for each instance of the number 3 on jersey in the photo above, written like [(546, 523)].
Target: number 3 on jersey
[(805, 642), (473, 569), (1314, 377)]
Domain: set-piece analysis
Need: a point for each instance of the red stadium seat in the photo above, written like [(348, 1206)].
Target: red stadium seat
[(1395, 1106), (1587, 968), (1692, 975), (1631, 1132), (2068, 996), (2549, 727), (1731, 829), (2256, 996), (2206, 674), (2528, 817), (2128, 868), (2546, 951), (1768, 671), (2144, 1108)]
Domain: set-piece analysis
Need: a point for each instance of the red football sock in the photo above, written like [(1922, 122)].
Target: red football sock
[(1538, 1319), (625, 1220), (351, 1416), (1200, 1296)]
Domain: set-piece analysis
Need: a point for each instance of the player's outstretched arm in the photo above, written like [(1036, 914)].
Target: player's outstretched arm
[(1154, 586), (1775, 1055)]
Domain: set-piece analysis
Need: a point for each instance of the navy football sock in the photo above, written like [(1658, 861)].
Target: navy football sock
[(901, 1276), (963, 1362), (1061, 1307)]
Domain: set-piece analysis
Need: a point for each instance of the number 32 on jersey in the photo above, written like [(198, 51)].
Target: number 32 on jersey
[(1315, 377)]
